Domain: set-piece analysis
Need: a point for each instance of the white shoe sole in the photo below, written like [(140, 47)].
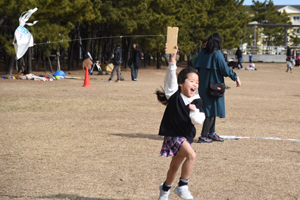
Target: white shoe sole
[(178, 193)]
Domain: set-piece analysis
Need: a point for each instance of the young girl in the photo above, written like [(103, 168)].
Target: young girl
[(251, 66), (184, 109)]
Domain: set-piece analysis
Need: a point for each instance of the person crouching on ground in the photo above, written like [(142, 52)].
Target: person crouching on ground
[(251, 66), (87, 63)]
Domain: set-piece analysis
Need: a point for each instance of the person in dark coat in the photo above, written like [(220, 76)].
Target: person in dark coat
[(213, 106), (288, 52), (297, 59), (225, 57), (135, 61), (117, 63), (239, 56)]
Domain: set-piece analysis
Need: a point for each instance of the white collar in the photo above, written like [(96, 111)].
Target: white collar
[(188, 100)]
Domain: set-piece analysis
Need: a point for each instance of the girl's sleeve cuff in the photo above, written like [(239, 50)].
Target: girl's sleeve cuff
[(172, 66)]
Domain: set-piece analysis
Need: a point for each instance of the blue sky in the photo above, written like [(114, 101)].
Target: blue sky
[(276, 2)]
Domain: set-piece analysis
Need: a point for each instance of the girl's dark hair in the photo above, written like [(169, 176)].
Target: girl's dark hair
[(214, 43), (183, 74), (161, 96)]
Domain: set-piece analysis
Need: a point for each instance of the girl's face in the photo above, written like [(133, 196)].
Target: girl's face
[(190, 85)]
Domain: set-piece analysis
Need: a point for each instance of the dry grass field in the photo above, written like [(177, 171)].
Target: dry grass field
[(62, 141)]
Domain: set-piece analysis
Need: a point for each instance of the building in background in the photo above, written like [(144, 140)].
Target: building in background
[(294, 12)]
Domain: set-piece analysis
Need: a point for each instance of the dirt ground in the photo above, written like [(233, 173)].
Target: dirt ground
[(59, 140)]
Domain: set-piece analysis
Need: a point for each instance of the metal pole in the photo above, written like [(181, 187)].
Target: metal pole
[(254, 40), (242, 39), (247, 35), (285, 36)]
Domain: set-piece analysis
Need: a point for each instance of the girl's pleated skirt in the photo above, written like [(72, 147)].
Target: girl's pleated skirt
[(171, 146)]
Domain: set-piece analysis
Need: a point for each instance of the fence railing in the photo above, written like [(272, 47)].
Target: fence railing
[(265, 50)]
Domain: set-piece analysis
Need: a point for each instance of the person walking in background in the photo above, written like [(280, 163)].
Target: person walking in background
[(183, 111), (288, 52), (239, 56), (250, 58), (225, 57), (294, 52), (135, 61), (289, 64), (297, 59), (117, 63), (213, 106)]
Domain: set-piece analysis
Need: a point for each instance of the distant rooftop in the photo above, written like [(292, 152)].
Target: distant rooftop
[(281, 6)]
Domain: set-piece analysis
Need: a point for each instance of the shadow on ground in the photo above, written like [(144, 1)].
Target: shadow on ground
[(58, 196), (294, 151), (140, 135), (148, 136)]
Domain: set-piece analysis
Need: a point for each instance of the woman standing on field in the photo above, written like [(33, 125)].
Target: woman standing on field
[(213, 106), (135, 61)]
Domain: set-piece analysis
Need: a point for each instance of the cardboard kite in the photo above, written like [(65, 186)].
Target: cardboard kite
[(23, 38), (172, 35)]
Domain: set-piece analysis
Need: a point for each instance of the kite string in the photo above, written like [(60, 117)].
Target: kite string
[(79, 39)]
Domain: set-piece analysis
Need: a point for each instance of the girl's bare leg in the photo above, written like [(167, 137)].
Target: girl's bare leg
[(186, 151), (174, 166)]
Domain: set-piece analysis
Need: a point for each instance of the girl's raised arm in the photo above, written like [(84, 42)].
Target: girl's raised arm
[(170, 83)]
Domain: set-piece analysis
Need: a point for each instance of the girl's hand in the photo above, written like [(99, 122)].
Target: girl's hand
[(172, 56), (192, 107), (238, 82)]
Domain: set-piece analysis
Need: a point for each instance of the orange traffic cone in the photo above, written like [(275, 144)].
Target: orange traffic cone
[(87, 78)]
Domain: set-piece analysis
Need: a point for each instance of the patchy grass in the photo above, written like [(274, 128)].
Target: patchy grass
[(60, 140)]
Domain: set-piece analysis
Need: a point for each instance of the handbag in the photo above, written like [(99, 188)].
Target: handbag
[(215, 89)]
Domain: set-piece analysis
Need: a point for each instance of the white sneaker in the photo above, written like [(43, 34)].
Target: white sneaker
[(163, 194), (183, 192)]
